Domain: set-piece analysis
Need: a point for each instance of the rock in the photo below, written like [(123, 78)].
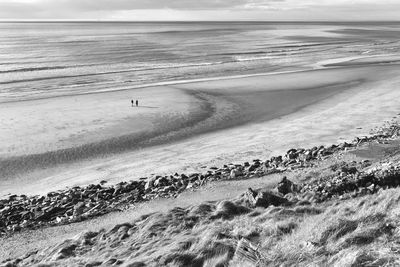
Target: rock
[(344, 145), (161, 181), (50, 213), (189, 186), (277, 160), (149, 184), (307, 155), (254, 166), (264, 198), (16, 228), (285, 186), (12, 197), (349, 170), (235, 173), (61, 219), (79, 208), (371, 188), (291, 154)]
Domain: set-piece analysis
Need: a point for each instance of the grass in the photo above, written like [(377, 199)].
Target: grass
[(354, 232)]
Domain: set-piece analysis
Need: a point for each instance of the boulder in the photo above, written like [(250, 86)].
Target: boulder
[(254, 166), (291, 154), (264, 198), (49, 214), (79, 208), (285, 186), (307, 155), (235, 173), (149, 184), (348, 170), (161, 181)]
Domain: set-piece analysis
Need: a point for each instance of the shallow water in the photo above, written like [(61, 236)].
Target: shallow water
[(47, 59)]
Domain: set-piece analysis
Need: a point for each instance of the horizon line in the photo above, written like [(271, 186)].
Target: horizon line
[(193, 21)]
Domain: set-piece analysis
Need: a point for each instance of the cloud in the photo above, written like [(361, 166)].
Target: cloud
[(154, 4), (202, 4), (243, 9), (17, 9)]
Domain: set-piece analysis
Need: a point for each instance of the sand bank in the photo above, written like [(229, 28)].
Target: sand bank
[(187, 125)]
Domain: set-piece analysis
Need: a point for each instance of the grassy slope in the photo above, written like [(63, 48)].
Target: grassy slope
[(355, 232)]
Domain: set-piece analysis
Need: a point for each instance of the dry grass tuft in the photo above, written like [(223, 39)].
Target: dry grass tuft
[(337, 230), (228, 210)]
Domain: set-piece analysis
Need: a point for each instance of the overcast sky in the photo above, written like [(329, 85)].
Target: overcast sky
[(200, 10)]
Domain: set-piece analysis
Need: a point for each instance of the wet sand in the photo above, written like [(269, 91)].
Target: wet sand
[(76, 140)]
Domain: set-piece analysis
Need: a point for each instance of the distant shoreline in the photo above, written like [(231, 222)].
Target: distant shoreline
[(209, 21), (338, 65)]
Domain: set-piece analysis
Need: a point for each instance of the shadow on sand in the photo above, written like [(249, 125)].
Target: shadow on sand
[(145, 107)]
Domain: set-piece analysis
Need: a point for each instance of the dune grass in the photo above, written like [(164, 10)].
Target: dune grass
[(354, 232)]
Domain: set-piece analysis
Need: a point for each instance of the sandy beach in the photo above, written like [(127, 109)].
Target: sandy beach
[(187, 125)]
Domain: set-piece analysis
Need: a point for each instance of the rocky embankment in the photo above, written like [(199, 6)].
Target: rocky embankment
[(82, 203), (245, 231)]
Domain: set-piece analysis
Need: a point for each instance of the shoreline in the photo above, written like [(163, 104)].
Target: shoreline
[(129, 165), (168, 83), (339, 63)]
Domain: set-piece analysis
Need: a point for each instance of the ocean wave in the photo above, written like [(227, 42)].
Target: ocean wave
[(311, 44), (35, 69), (275, 51), (152, 67), (241, 59)]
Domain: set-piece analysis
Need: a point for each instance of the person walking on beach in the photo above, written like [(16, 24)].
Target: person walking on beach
[(137, 102), (132, 102)]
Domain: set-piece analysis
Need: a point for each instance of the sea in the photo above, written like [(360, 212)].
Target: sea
[(47, 59)]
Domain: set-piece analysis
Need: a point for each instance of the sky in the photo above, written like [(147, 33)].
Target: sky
[(193, 10)]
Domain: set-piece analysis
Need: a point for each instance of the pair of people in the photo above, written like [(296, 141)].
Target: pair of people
[(137, 102)]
